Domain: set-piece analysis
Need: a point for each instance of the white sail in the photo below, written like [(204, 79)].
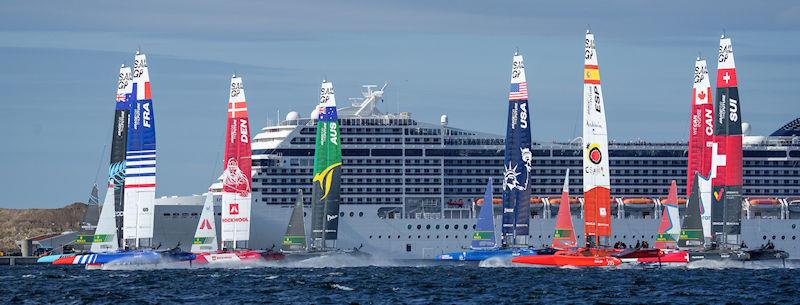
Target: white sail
[(704, 185), (105, 236), (205, 236), (674, 219), (596, 173)]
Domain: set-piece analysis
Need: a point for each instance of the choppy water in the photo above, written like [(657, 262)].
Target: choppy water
[(421, 283)]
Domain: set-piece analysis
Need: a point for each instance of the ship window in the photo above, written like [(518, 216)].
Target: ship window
[(379, 236), (428, 227), (465, 236), (352, 214), (167, 214), (437, 236), (370, 237), (429, 237), (341, 214), (764, 237), (793, 226), (773, 236), (783, 237), (794, 237), (465, 227), (409, 227), (360, 214), (419, 236), (408, 247), (474, 227), (447, 227)]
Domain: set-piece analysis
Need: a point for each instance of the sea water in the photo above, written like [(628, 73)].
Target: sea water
[(400, 283)]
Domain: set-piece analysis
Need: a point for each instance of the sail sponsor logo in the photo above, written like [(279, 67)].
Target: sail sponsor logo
[(325, 179), (508, 210), (514, 117), (594, 154), (206, 225), (233, 209), (332, 217), (243, 131), (718, 194), (734, 110), (236, 219), (722, 109), (334, 133)]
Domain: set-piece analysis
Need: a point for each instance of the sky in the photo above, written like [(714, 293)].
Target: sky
[(59, 62)]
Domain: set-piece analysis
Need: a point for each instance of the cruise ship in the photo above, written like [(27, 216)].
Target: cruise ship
[(409, 188)]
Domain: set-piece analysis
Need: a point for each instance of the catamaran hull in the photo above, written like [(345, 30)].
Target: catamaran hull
[(676, 257), (236, 257), (568, 260), (479, 255)]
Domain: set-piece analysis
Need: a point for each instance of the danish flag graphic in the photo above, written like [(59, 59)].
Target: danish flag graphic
[(234, 210)]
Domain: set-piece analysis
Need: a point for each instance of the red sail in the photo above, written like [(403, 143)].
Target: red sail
[(701, 127), (564, 237), (665, 240)]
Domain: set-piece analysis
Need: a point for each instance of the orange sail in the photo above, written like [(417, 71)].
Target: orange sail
[(564, 237)]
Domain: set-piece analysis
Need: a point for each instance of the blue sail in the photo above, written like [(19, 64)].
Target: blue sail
[(518, 157), (484, 236)]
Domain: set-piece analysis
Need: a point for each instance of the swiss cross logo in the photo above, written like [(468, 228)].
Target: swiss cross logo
[(206, 225), (234, 209)]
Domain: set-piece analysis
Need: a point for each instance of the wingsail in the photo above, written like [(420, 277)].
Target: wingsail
[(701, 126), (327, 171), (518, 159), (596, 174), (236, 179), (726, 172), (140, 160), (119, 148)]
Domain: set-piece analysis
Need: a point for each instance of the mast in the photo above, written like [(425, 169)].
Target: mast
[(727, 148), (484, 237), (140, 170), (236, 178), (564, 237), (295, 238), (119, 142), (327, 172), (518, 159), (596, 174), (670, 227), (701, 125), (205, 236)]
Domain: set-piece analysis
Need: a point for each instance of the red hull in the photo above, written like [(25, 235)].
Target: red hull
[(67, 260), (563, 258), (243, 256)]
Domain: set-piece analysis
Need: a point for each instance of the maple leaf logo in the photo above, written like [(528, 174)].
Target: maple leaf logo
[(701, 95)]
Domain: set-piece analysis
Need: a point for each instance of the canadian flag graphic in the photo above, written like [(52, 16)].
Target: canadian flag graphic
[(234, 209)]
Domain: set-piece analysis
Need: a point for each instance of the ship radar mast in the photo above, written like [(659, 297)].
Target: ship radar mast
[(371, 97)]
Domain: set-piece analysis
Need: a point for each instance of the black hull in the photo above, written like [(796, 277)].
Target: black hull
[(739, 255)]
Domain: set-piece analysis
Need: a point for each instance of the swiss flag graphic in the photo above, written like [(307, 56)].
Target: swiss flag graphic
[(234, 210)]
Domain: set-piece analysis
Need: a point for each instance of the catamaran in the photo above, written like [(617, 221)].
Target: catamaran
[(484, 241), (725, 172), (669, 231)]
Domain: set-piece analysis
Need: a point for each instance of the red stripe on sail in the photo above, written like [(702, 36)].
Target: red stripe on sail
[(140, 185), (147, 91)]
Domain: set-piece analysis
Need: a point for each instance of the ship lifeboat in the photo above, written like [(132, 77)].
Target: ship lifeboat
[(681, 201), (495, 201), (456, 203), (570, 258), (794, 204), (764, 204), (639, 203)]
